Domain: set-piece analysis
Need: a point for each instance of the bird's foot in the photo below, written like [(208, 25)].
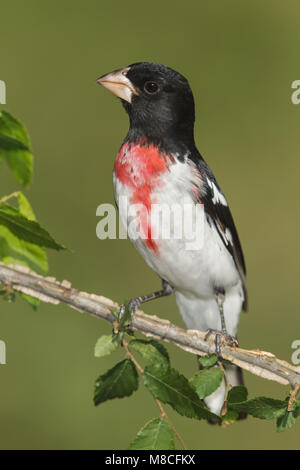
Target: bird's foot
[(126, 315), (222, 339)]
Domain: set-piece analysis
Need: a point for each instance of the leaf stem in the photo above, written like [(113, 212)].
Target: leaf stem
[(294, 391), (164, 415), (158, 402), (224, 407), (131, 356)]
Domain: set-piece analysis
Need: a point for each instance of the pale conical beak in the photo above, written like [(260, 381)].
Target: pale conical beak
[(118, 83)]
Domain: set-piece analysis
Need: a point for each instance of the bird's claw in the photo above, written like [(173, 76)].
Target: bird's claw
[(126, 315), (133, 305), (222, 339)]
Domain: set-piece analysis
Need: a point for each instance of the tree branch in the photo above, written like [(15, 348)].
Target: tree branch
[(48, 289)]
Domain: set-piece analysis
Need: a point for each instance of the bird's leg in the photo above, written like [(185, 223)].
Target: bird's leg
[(222, 337), (220, 297), (135, 303)]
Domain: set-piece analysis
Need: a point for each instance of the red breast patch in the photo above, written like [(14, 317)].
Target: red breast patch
[(140, 166)]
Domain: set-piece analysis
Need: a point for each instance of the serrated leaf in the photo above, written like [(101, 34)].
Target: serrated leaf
[(105, 345), (118, 382), (261, 407), (173, 388), (208, 361), (28, 230), (16, 251), (237, 394), (207, 381), (20, 160), (26, 210), (287, 420), (152, 351), (155, 435)]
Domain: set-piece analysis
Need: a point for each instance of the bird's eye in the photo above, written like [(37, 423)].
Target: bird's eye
[(151, 88)]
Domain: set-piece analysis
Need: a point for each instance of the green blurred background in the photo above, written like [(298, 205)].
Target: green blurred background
[(240, 59)]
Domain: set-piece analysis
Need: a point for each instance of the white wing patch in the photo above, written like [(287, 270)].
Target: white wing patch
[(218, 197)]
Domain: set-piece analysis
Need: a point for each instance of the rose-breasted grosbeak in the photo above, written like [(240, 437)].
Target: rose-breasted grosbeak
[(158, 163)]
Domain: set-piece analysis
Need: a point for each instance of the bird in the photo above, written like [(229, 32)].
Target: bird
[(159, 165)]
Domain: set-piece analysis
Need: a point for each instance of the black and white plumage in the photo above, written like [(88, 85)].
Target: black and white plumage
[(158, 163), (218, 212)]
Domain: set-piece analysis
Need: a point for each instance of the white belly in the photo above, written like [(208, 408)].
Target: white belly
[(186, 268), (194, 273)]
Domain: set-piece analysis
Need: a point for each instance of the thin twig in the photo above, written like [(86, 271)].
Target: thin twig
[(227, 384), (294, 391), (48, 289), (157, 401), (175, 432), (131, 356)]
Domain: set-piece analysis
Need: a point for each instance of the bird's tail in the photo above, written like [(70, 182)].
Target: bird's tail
[(215, 401)]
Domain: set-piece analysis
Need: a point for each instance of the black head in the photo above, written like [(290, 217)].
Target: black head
[(158, 100)]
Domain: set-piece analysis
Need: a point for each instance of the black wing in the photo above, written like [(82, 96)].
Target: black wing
[(219, 214)]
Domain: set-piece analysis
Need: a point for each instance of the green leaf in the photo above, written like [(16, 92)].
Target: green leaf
[(40, 257), (26, 229), (287, 420), (155, 435), (16, 251), (118, 382), (173, 388), (25, 207), (237, 394), (151, 350), (7, 143), (34, 302), (11, 127), (230, 417), (207, 381), (207, 361), (106, 344), (261, 407), (15, 148)]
